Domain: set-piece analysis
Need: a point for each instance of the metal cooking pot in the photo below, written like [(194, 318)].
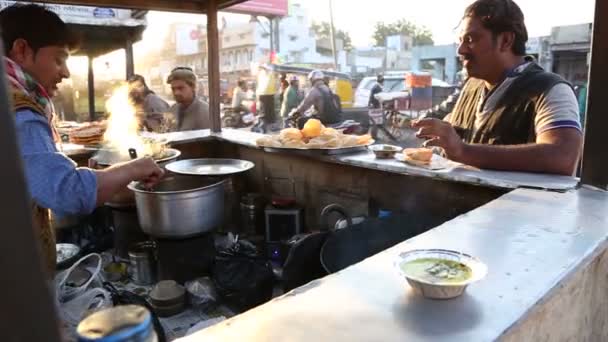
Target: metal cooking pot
[(180, 206)]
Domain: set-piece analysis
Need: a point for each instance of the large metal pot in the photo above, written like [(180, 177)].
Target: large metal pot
[(180, 206)]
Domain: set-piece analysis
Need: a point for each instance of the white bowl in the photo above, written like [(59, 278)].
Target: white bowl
[(441, 290)]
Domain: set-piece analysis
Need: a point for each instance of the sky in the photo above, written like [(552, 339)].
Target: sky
[(440, 16)]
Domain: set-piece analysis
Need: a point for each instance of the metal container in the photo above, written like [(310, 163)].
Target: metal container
[(143, 262), (252, 214), (126, 323), (383, 151), (180, 206)]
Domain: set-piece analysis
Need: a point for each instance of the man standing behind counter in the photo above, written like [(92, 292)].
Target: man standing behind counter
[(190, 111), (35, 63), (511, 114)]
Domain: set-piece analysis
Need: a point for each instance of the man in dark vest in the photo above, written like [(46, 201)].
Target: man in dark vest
[(511, 114)]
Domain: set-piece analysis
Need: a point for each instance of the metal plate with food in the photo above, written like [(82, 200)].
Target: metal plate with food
[(440, 273), (210, 166), (314, 138)]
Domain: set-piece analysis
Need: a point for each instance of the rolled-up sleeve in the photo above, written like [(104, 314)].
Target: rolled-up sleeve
[(54, 180)]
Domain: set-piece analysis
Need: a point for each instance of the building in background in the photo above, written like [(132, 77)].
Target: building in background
[(570, 49)]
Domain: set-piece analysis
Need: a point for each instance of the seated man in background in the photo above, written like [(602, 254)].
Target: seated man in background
[(35, 64), (511, 114), (150, 108), (190, 111)]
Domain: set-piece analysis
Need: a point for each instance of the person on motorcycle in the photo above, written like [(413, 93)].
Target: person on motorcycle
[(291, 96), (239, 97), (321, 99), (376, 89)]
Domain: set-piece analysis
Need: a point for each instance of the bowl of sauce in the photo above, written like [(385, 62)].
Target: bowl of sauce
[(440, 273)]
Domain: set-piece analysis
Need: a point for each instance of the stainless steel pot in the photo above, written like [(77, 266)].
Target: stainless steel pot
[(180, 206)]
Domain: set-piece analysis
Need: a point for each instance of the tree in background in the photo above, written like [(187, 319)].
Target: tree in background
[(420, 34), (323, 30)]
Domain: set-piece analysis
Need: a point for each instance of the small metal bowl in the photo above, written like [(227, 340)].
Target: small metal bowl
[(441, 290), (384, 151)]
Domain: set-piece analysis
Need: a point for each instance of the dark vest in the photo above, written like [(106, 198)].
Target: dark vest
[(512, 121)]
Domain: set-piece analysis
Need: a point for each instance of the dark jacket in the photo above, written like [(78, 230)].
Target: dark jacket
[(512, 122)]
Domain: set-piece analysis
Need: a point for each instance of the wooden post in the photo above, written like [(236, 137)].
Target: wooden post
[(27, 311), (129, 58), (595, 163), (213, 67), (91, 89)]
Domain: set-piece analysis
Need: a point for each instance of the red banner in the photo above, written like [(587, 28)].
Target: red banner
[(262, 7)]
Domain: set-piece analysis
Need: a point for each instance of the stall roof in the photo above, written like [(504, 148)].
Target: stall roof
[(193, 6)]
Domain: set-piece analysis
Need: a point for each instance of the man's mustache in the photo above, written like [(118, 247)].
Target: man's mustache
[(466, 58)]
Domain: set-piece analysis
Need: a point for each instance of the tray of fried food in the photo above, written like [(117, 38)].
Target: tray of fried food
[(316, 138)]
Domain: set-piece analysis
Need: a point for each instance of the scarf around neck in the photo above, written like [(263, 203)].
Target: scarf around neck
[(29, 94)]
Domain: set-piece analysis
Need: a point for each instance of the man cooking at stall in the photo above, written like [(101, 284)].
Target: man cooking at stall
[(511, 114), (190, 111), (35, 64)]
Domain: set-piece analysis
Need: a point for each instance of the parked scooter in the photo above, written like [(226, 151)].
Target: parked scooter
[(237, 118)]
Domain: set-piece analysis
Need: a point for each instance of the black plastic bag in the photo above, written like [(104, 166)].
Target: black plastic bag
[(242, 277)]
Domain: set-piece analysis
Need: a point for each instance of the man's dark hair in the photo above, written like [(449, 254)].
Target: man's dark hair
[(36, 25), (501, 16), (140, 78), (241, 83)]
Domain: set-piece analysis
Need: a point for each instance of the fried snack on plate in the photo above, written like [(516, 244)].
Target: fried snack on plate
[(364, 139), (349, 141), (293, 143), (312, 128), (290, 134), (269, 141), (329, 132), (422, 155)]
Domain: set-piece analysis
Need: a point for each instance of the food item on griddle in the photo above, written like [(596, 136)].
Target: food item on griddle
[(422, 155), (90, 133)]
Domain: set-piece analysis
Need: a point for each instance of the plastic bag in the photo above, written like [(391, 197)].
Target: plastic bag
[(65, 292), (75, 310), (202, 292), (241, 277)]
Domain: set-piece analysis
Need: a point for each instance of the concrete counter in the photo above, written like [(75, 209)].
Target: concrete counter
[(365, 159), (546, 257)]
